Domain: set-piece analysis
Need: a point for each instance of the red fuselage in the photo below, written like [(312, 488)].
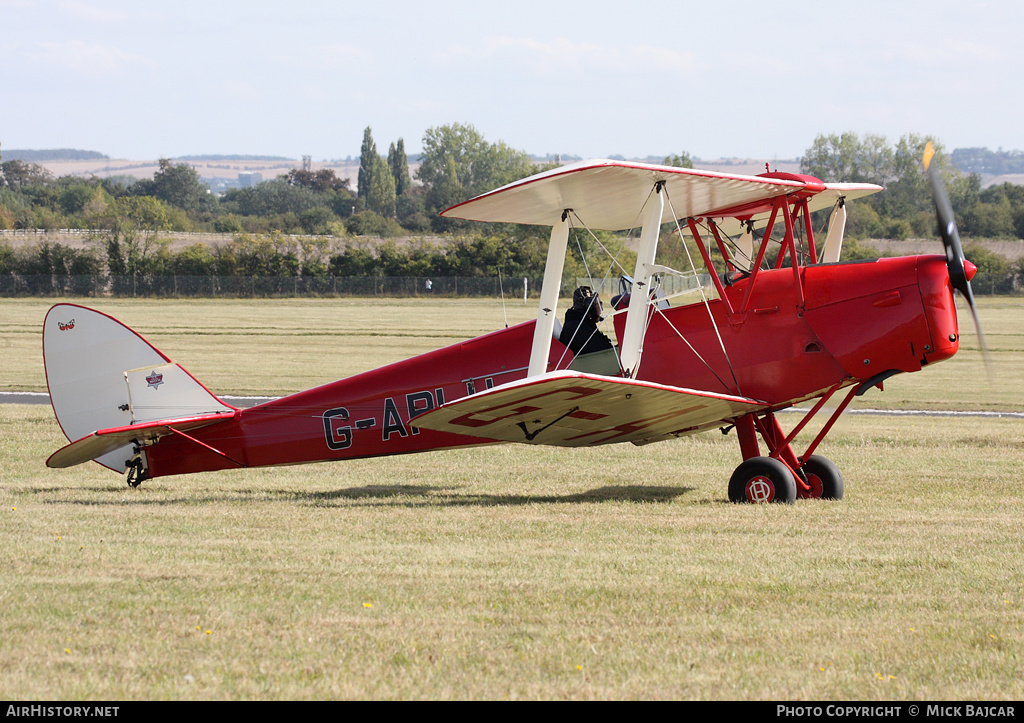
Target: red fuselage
[(857, 321)]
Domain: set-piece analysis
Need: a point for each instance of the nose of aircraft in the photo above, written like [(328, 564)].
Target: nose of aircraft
[(940, 309)]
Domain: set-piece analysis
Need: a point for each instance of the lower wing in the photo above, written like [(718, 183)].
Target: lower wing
[(572, 409)]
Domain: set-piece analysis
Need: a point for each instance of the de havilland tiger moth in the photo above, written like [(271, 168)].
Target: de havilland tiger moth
[(785, 324)]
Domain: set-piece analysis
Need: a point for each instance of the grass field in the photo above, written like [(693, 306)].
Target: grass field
[(279, 346), (508, 572)]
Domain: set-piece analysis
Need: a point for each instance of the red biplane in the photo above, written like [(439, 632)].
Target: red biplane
[(785, 324)]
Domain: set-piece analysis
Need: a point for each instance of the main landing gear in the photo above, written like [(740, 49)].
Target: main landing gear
[(782, 477), (764, 479)]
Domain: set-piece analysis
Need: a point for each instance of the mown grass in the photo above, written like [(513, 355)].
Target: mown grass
[(279, 346), (510, 572), (265, 346)]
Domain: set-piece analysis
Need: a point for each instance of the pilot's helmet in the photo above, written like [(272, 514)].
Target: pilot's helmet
[(584, 299)]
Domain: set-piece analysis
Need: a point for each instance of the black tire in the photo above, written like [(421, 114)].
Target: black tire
[(762, 480), (824, 477)]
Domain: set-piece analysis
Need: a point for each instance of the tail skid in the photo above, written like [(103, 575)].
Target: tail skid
[(113, 392)]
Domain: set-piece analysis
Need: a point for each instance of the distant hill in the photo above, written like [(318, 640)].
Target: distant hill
[(216, 157), (54, 154), (988, 164)]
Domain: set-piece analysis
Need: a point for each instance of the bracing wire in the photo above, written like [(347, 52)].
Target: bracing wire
[(614, 258), (614, 262), (707, 306), (828, 217), (501, 288)]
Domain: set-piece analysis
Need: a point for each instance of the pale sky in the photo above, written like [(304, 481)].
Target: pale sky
[(757, 79)]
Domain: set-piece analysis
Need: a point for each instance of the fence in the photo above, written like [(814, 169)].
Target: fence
[(264, 286), (13, 285), (670, 284)]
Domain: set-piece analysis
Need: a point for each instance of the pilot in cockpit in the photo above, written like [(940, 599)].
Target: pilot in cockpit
[(580, 332)]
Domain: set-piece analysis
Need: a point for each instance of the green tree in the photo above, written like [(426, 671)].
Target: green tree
[(991, 217), (457, 164), (853, 250), (904, 208), (381, 196), (964, 191), (314, 255), (683, 160), (132, 249), (832, 158), (193, 260), (52, 268), (319, 220), (321, 181), (136, 213), (849, 158), (995, 273), (258, 256), (908, 195), (352, 262), (277, 196), (18, 174), (398, 162), (367, 156), (874, 160), (370, 223), (412, 211), (130, 256), (6, 258), (177, 184)]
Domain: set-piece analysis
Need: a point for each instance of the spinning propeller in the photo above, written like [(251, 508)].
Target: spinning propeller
[(955, 260)]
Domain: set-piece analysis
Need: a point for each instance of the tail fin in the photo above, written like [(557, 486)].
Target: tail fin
[(102, 375)]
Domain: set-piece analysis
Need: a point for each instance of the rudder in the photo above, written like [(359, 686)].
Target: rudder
[(101, 374)]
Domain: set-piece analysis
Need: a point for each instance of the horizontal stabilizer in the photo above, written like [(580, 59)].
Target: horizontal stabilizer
[(105, 441), (572, 409)]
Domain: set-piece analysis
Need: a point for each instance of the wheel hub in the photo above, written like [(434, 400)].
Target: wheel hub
[(760, 489), (817, 487)]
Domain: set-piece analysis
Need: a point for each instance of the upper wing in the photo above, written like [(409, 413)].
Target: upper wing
[(610, 194), (571, 409)]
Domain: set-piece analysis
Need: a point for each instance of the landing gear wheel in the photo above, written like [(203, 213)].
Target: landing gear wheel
[(137, 472), (761, 480), (824, 477)]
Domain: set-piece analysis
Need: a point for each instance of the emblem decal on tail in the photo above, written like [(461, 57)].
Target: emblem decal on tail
[(155, 380)]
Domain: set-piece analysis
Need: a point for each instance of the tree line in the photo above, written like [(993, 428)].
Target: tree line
[(904, 209), (457, 163), (128, 217)]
